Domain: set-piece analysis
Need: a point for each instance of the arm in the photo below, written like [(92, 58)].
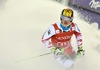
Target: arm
[(46, 38), (78, 36)]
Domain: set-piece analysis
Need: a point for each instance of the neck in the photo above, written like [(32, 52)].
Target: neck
[(64, 28)]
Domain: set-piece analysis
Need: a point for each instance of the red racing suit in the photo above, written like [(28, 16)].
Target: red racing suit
[(55, 36)]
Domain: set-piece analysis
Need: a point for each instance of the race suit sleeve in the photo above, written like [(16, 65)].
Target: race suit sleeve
[(46, 38), (78, 36)]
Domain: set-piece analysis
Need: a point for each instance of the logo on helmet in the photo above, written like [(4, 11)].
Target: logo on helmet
[(67, 12)]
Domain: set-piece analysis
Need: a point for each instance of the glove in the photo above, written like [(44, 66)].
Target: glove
[(57, 50), (80, 51)]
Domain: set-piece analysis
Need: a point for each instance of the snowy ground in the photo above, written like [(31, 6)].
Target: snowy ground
[(22, 24)]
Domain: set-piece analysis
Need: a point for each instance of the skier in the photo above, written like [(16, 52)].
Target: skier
[(58, 39)]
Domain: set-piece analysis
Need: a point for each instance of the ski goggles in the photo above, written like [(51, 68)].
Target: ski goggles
[(66, 18)]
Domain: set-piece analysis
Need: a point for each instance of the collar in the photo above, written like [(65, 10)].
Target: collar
[(65, 28)]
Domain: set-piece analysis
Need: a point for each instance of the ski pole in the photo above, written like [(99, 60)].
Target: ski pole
[(33, 57)]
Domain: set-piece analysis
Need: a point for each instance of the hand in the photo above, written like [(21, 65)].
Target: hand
[(80, 51), (57, 50)]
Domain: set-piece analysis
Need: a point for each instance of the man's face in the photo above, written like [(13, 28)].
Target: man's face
[(65, 23)]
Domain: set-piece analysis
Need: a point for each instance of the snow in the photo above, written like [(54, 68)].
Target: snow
[(22, 24)]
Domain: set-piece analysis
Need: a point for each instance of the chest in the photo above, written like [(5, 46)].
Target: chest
[(60, 35)]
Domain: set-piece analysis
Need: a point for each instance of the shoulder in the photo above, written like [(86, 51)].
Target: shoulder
[(57, 24), (76, 27), (54, 26), (74, 24)]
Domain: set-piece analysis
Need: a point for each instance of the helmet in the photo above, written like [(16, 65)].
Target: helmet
[(67, 14)]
